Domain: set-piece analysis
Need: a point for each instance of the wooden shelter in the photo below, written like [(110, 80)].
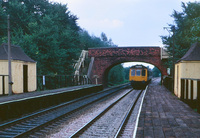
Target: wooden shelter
[(187, 74), (24, 76)]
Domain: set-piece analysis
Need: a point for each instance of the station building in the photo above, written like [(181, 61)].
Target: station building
[(23, 68), (187, 73)]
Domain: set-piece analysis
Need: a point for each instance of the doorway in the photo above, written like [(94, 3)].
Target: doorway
[(25, 78)]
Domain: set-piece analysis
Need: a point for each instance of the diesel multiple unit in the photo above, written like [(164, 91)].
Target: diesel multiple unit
[(139, 76)]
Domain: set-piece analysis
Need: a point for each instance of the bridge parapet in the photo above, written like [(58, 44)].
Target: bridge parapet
[(124, 51)]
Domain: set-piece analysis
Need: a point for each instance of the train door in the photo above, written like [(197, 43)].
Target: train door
[(25, 78)]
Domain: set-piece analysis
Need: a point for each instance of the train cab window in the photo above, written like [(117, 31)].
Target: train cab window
[(133, 72), (138, 72), (143, 72)]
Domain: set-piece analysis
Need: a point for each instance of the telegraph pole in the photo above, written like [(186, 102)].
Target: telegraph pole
[(9, 59), (5, 5), (173, 30)]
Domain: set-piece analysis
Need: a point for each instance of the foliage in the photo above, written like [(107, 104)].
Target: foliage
[(185, 31), (48, 33), (126, 73), (156, 72), (116, 75)]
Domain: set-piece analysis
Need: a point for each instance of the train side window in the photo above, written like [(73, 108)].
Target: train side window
[(138, 72), (133, 72), (143, 72)]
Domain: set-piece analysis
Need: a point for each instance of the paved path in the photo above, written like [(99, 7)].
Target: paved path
[(164, 115)]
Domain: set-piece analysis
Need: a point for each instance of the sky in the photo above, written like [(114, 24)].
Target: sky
[(126, 22)]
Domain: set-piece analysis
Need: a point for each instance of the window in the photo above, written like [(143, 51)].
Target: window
[(143, 72), (133, 72), (138, 72)]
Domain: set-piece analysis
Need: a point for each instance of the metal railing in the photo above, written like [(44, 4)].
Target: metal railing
[(3, 84), (48, 82), (190, 92)]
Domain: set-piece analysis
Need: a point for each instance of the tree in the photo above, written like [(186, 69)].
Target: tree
[(156, 72), (126, 73), (3, 23), (104, 37), (185, 32), (116, 75), (48, 33), (87, 41)]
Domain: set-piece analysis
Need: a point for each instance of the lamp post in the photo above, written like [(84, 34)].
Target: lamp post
[(5, 5)]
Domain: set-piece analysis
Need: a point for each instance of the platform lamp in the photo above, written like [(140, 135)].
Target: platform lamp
[(5, 6)]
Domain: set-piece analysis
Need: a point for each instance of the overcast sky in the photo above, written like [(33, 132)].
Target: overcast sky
[(126, 22)]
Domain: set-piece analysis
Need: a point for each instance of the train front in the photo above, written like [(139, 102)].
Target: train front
[(138, 76)]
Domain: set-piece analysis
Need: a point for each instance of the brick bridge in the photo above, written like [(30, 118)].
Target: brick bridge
[(103, 59)]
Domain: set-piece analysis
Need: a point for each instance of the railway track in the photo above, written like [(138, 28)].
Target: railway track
[(24, 126), (129, 124), (113, 121)]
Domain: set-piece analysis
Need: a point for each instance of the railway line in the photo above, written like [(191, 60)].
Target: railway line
[(113, 112), (31, 123), (114, 120)]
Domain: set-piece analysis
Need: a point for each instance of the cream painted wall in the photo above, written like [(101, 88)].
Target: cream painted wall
[(186, 69), (4, 71), (17, 75)]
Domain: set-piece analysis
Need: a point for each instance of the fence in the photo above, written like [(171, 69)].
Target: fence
[(190, 92), (168, 83), (3, 84), (59, 81)]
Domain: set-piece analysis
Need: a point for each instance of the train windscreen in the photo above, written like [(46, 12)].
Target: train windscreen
[(133, 72), (138, 72)]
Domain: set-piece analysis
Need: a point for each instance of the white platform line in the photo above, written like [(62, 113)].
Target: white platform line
[(137, 120)]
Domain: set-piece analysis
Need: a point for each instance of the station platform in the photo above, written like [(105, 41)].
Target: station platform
[(20, 96), (18, 105), (164, 115)]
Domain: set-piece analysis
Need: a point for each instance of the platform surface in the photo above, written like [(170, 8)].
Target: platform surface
[(13, 97), (164, 115)]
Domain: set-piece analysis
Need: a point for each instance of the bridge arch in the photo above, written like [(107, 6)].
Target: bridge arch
[(106, 58)]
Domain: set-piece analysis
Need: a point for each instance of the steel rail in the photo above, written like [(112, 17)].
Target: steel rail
[(35, 126), (83, 128), (2, 125), (127, 116)]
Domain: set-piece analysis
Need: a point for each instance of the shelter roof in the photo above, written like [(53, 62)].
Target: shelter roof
[(192, 54), (16, 53)]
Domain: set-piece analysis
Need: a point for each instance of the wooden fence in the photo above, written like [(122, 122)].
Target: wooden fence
[(190, 92)]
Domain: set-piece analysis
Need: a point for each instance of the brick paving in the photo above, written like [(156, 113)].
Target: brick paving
[(164, 115)]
